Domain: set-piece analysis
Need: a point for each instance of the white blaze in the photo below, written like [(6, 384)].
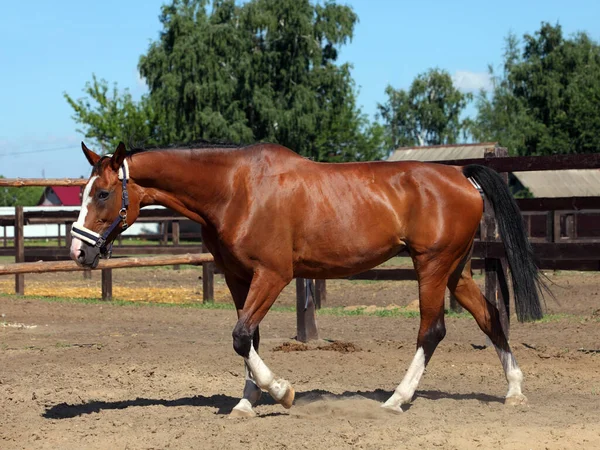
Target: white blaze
[(85, 202)]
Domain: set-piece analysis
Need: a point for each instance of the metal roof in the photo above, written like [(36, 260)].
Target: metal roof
[(442, 152), (561, 183), (547, 183)]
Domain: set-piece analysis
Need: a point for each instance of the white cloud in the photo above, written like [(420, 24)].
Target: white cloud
[(472, 81)]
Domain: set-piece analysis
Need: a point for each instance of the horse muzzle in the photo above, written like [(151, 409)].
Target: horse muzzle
[(87, 256)]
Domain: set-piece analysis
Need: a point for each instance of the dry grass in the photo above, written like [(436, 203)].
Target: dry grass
[(92, 289)]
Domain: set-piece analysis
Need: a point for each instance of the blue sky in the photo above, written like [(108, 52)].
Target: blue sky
[(53, 47)]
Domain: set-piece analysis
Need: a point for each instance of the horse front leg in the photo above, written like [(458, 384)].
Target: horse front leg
[(264, 290), (252, 392), (251, 395)]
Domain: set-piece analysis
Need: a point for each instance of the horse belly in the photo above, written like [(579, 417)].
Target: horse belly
[(338, 253)]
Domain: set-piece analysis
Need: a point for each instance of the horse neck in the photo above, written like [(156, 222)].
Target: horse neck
[(192, 183)]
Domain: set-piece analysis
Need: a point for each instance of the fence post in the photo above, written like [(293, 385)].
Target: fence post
[(320, 293), (571, 225), (550, 226), (454, 305), (107, 284), (496, 270), (306, 321), (68, 237), (175, 229), (19, 248), (164, 240), (208, 279)]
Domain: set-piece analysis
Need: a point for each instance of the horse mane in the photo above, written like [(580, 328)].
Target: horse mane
[(197, 144)]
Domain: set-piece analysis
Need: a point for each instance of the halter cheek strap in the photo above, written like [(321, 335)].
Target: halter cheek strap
[(101, 241)]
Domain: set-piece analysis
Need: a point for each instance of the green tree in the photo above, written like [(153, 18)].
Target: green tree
[(427, 114), (262, 71), (546, 99), (114, 116), (20, 196)]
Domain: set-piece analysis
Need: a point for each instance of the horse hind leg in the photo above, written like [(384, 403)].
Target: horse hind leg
[(469, 296), (432, 285)]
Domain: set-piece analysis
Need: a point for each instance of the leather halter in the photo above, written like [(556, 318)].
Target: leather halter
[(101, 241)]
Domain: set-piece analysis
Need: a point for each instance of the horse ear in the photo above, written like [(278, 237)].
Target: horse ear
[(92, 157), (118, 156)]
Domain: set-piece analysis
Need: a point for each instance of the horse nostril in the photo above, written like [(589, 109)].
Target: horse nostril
[(81, 256)]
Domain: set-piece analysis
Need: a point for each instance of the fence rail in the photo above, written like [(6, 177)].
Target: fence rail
[(503, 163), (21, 182), (105, 264)]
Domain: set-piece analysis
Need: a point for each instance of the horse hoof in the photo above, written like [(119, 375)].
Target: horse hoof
[(392, 409), (244, 413), (515, 400), (288, 399)]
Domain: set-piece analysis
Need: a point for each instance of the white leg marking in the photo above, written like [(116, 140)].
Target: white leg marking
[(264, 378), (406, 389), (250, 397), (514, 376), (85, 202)]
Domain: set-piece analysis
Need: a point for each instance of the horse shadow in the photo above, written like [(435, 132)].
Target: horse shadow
[(225, 403)]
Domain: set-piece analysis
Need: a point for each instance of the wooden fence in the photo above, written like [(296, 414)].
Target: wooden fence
[(105, 266)]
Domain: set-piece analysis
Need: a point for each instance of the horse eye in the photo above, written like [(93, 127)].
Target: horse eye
[(103, 195)]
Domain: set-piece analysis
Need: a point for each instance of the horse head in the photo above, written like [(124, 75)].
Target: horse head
[(110, 203)]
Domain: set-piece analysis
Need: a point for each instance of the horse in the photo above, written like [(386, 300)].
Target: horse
[(269, 215)]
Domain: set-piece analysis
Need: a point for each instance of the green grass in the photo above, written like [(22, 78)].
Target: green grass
[(62, 345), (551, 318), (398, 261), (332, 311)]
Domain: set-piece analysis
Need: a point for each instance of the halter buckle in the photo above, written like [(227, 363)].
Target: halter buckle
[(123, 216)]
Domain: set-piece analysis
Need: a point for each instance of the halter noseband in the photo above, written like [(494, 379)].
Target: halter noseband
[(101, 241)]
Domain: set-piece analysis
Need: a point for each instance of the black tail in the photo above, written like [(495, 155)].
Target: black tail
[(526, 281)]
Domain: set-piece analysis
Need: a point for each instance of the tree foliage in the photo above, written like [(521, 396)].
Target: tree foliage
[(429, 113), (546, 99), (20, 196), (262, 71), (109, 116)]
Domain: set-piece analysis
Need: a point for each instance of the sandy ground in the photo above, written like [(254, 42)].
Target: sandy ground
[(104, 376)]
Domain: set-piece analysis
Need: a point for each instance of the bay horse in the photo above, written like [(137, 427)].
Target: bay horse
[(269, 215)]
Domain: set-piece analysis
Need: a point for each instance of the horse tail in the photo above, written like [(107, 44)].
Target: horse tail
[(526, 280)]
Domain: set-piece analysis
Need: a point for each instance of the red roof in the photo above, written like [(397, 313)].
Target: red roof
[(68, 195)]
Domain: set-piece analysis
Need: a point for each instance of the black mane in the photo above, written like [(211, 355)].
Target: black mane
[(199, 144)]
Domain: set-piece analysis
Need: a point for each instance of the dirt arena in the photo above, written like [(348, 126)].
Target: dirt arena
[(108, 376)]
